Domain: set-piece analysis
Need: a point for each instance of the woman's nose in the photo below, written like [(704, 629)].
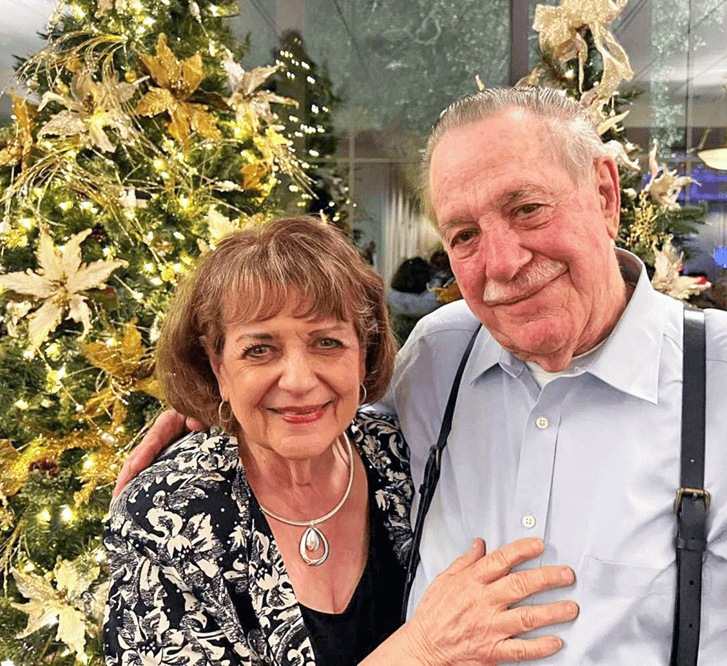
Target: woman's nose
[(298, 374)]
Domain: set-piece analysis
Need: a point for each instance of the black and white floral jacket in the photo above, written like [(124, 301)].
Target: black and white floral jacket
[(197, 581)]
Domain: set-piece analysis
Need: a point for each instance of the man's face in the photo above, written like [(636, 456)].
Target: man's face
[(531, 250)]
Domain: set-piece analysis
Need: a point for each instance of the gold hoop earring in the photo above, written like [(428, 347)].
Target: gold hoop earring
[(224, 421), (362, 400)]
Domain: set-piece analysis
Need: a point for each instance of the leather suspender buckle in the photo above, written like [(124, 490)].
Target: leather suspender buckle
[(695, 493)]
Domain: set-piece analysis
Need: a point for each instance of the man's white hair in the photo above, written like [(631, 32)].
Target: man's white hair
[(564, 123)]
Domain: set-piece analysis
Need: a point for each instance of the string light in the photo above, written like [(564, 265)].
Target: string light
[(66, 514), (44, 516), (21, 404)]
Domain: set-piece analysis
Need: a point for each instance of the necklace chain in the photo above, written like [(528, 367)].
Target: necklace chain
[(332, 512)]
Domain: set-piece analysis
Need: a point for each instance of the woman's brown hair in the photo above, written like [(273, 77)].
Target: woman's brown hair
[(252, 275)]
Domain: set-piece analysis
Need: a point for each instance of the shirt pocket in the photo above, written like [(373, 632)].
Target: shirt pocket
[(629, 612), (615, 579)]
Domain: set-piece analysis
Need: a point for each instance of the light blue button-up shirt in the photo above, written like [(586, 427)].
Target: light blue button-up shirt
[(590, 464)]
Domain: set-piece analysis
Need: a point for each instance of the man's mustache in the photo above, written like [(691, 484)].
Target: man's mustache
[(529, 280)]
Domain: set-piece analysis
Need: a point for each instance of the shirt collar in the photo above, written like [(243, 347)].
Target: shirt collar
[(629, 357), (629, 360)]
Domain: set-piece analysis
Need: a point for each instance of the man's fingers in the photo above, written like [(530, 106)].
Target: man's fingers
[(519, 649), (515, 587), (522, 619), (476, 552), (193, 424), (499, 562), (168, 427)]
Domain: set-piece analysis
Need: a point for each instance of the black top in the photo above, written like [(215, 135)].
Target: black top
[(374, 612)]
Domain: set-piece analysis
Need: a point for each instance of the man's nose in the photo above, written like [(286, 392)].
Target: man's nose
[(502, 252), (297, 373)]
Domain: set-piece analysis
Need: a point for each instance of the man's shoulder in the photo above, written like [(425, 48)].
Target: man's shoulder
[(445, 325)]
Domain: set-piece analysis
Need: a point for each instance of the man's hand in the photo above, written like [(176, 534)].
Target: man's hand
[(465, 615), (168, 427)]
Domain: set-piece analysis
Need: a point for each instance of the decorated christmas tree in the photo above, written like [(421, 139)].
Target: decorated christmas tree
[(311, 128), (141, 142), (580, 55)]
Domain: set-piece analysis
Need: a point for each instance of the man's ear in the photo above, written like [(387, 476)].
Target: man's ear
[(609, 192)]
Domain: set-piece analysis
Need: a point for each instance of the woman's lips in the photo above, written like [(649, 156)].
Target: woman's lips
[(301, 415)]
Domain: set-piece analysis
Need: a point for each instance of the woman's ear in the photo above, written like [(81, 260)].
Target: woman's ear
[(217, 368)]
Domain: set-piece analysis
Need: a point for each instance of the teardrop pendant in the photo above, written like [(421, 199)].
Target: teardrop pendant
[(311, 541)]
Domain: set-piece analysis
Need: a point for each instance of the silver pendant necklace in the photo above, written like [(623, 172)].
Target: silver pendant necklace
[(313, 538)]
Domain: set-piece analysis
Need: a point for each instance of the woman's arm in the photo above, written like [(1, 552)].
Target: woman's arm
[(465, 615), (153, 618)]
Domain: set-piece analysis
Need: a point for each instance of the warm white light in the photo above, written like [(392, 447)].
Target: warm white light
[(44, 515), (21, 404), (66, 514), (65, 205), (716, 158), (178, 236)]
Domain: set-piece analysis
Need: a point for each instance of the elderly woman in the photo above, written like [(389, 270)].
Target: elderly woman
[(279, 536)]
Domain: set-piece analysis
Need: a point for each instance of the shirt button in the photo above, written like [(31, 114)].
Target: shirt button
[(542, 422), (528, 521)]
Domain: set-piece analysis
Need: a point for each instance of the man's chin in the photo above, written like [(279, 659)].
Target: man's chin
[(540, 341)]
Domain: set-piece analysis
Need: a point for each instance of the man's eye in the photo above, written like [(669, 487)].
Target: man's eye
[(529, 209), (462, 237)]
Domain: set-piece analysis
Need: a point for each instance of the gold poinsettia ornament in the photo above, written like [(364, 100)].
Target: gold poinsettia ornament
[(64, 603), (129, 366), (60, 282), (177, 82), (251, 104), (91, 108), (19, 147)]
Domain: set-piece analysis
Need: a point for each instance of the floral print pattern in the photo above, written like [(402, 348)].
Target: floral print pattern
[(196, 576)]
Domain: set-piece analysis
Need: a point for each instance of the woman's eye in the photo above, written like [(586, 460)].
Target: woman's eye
[(329, 343), (256, 351)]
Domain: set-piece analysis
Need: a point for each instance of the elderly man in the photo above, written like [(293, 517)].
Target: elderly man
[(567, 424)]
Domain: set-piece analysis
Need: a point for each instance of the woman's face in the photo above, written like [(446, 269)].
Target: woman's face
[(292, 382)]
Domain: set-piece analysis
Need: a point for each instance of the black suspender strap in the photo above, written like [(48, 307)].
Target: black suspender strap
[(431, 475), (692, 501)]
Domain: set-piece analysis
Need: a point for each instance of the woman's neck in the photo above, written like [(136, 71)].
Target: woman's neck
[(297, 489)]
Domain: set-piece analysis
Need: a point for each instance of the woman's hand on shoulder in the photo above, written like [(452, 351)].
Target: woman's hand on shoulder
[(167, 428), (465, 616)]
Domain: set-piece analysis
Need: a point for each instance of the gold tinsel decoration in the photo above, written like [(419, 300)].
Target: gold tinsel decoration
[(19, 147), (643, 233), (177, 81)]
